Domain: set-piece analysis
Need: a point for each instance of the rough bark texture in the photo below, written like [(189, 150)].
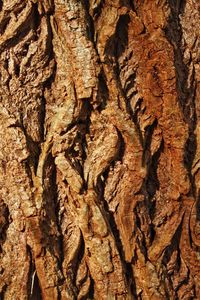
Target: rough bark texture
[(99, 149)]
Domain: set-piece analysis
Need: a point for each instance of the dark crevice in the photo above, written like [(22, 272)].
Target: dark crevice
[(128, 3), (82, 119), (109, 216), (90, 24), (12, 42), (17, 70), (7, 17), (152, 232), (51, 207), (33, 288), (50, 51), (51, 240), (133, 114), (110, 219), (74, 265), (19, 9), (77, 155), (36, 291), (186, 94), (35, 147), (4, 23), (42, 118), (27, 166), (32, 146), (197, 207), (90, 27), (115, 47), (147, 143), (31, 270), (121, 149), (87, 122), (190, 152), (141, 237), (174, 245), (152, 181), (3, 291), (32, 22), (47, 84), (102, 93), (130, 82), (91, 291), (118, 42), (98, 9), (129, 109), (150, 186), (36, 20), (4, 223), (100, 187), (83, 124), (36, 29)]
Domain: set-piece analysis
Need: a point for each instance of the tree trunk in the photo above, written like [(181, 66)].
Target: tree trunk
[(99, 149)]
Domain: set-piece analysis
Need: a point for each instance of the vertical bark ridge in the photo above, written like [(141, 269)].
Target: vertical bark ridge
[(99, 152)]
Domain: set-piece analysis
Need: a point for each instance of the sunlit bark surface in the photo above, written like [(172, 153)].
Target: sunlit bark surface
[(99, 149)]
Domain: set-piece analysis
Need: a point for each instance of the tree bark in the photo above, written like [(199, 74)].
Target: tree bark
[(99, 149)]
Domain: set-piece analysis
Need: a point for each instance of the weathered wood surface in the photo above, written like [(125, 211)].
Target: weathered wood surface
[(99, 149)]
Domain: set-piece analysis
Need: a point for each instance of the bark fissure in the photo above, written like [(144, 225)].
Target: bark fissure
[(186, 89), (99, 149)]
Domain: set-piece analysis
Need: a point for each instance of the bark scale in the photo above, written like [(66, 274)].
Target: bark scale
[(99, 149)]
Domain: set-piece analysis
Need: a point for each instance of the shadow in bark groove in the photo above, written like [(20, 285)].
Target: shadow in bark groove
[(110, 220), (32, 22), (4, 23), (90, 26), (50, 206), (103, 92), (48, 83), (186, 95), (3, 291), (91, 291), (147, 143), (97, 10), (197, 206), (149, 187), (118, 42), (141, 242), (127, 266), (174, 246), (34, 291), (75, 264), (115, 47), (128, 3), (4, 222), (152, 182), (131, 83)]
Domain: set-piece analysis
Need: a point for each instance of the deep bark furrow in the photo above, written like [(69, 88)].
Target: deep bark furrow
[(99, 149)]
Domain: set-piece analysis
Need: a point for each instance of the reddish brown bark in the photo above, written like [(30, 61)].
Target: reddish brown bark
[(99, 149)]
